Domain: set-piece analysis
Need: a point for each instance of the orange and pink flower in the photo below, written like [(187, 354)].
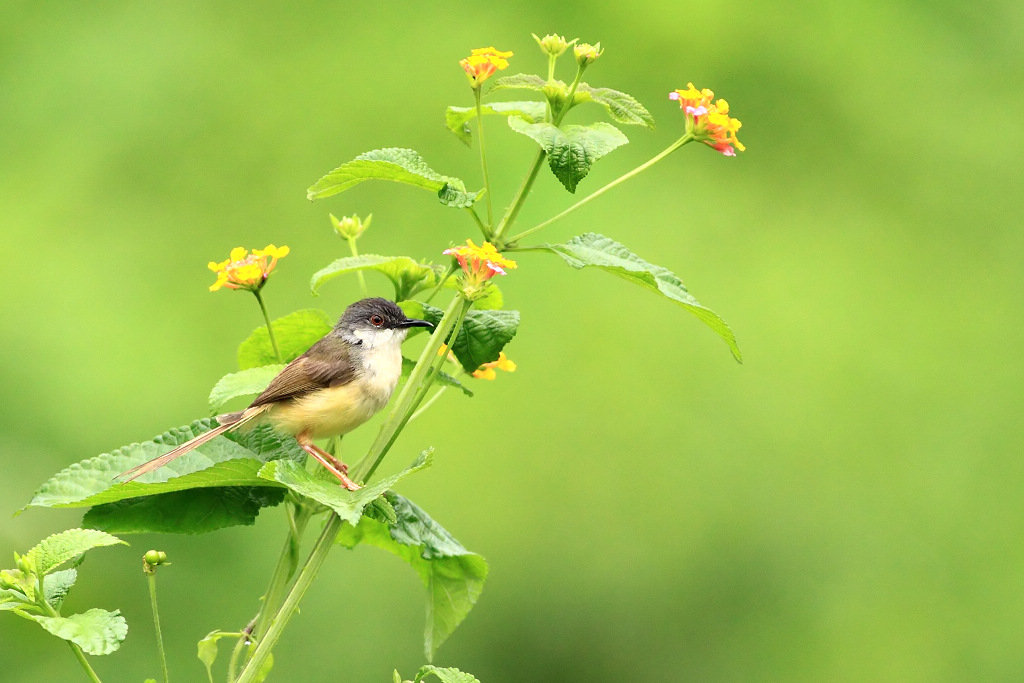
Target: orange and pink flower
[(709, 120)]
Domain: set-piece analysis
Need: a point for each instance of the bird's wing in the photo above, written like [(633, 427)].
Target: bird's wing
[(326, 364)]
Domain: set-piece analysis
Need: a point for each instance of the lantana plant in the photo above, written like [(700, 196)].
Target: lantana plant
[(232, 478)]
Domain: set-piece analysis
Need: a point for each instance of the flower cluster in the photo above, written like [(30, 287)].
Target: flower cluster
[(486, 371), (709, 121), (480, 263), (482, 63), (246, 271)]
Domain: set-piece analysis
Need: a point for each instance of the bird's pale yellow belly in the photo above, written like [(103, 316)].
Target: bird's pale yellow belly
[(325, 413)]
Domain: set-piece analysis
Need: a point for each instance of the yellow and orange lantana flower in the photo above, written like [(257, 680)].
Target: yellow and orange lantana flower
[(482, 63), (244, 270), (480, 263), (709, 121), (486, 371)]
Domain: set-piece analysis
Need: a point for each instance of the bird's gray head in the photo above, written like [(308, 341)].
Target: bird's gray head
[(374, 322)]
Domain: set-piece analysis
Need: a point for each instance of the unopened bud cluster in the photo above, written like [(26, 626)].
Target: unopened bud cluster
[(350, 227), (587, 54), (552, 44), (153, 559)]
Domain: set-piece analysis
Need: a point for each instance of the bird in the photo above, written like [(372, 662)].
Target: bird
[(339, 383)]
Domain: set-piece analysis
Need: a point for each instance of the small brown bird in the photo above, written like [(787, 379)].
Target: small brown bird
[(335, 386)]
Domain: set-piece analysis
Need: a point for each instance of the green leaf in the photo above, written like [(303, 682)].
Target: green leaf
[(621, 107), (250, 382), (457, 118), (447, 675), (571, 150), (347, 504), (405, 274), (602, 252), (12, 599), (228, 460), (520, 82), (206, 649), (195, 511), (396, 164), (482, 337), (57, 585), (97, 631), (442, 378), (57, 549), (295, 333), (453, 576)]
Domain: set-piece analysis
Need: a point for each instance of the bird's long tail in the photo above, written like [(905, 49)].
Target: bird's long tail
[(228, 422)]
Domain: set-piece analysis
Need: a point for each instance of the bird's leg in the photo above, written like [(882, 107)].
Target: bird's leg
[(333, 465)]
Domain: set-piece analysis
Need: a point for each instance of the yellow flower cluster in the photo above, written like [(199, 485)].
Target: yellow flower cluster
[(709, 121), (244, 270), (486, 371), (482, 63), (480, 263)]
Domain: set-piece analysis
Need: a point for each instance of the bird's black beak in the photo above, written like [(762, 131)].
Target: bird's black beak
[(412, 322)]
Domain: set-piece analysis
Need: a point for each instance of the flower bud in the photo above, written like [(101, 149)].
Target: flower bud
[(552, 44), (153, 559), (587, 54), (350, 227)]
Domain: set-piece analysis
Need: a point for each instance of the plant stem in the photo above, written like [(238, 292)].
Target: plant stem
[(524, 189), (429, 403), (436, 367), (270, 328), (480, 223), (151, 578), (287, 563), (306, 576), (355, 252), (597, 193), (440, 283), (79, 655), (483, 160)]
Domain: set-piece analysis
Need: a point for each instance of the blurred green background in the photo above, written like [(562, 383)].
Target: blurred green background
[(845, 506)]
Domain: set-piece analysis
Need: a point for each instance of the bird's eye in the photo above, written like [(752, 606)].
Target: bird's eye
[(376, 321)]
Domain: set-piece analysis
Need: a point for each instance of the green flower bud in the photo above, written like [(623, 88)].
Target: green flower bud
[(153, 559), (350, 227), (587, 54), (552, 44)]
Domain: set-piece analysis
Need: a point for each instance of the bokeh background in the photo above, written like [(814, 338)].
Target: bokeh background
[(844, 506)]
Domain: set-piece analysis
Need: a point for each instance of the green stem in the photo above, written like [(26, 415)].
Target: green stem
[(597, 193), (479, 223), (151, 578), (524, 189), (429, 403), (79, 655), (440, 283), (270, 328), (287, 563), (291, 603), (355, 252), (436, 367), (483, 160), (406, 402)]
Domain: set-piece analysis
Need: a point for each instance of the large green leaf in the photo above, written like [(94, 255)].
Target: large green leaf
[(248, 382), (97, 631), (571, 150), (442, 378), (398, 165), (482, 337), (457, 118), (192, 511), (405, 274), (520, 82), (621, 107), (294, 333), (57, 585), (454, 577), (57, 549), (447, 674), (228, 460), (348, 504), (602, 252)]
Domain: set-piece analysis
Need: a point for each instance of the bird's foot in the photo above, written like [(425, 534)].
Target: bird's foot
[(333, 465)]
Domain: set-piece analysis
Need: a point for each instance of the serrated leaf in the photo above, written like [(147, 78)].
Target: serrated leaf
[(57, 549), (347, 504), (57, 585), (294, 333), (457, 118), (453, 576), (482, 337), (97, 631), (621, 107), (602, 252), (519, 81), (250, 382), (396, 164), (407, 276), (228, 460), (571, 150), (442, 378), (447, 675), (193, 511)]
